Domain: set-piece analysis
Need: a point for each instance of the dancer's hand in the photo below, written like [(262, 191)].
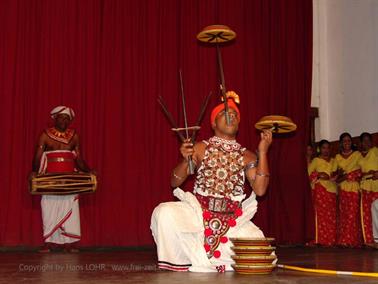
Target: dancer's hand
[(266, 140), (375, 175), (186, 149), (323, 175)]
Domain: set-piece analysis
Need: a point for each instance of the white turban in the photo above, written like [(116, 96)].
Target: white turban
[(62, 110)]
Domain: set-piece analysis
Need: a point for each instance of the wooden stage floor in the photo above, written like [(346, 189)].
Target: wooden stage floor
[(120, 265)]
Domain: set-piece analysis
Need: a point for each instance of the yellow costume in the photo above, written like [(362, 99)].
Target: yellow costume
[(320, 165), (369, 192), (351, 167), (369, 163)]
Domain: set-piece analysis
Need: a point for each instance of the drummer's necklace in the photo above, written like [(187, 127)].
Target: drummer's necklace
[(64, 137), (60, 134)]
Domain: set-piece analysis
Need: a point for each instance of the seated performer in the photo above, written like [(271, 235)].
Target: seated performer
[(58, 152), (194, 233)]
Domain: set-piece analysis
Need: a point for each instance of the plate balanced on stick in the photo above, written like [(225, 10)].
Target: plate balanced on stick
[(218, 34), (251, 255)]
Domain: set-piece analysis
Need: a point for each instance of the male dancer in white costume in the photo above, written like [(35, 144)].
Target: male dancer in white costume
[(58, 152), (193, 234)]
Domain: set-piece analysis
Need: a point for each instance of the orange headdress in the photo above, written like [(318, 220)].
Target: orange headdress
[(232, 99)]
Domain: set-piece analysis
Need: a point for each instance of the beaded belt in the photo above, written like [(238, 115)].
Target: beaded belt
[(215, 204)]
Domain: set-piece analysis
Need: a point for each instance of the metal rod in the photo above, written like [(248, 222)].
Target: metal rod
[(190, 161), (169, 116), (223, 84), (183, 105)]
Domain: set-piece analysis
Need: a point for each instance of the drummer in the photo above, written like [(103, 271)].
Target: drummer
[(58, 151), (194, 233)]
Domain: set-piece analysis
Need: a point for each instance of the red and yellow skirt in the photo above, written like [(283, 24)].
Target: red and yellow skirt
[(325, 215), (349, 234)]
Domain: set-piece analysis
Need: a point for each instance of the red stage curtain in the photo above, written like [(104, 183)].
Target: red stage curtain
[(110, 60)]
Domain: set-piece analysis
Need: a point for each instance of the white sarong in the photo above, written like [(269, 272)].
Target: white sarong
[(61, 218), (374, 216), (178, 230)]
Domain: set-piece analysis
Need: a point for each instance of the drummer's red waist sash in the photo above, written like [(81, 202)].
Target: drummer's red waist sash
[(60, 162)]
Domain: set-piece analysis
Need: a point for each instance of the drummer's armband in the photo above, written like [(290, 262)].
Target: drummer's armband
[(251, 165)]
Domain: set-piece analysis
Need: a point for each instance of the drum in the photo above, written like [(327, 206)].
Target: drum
[(62, 183)]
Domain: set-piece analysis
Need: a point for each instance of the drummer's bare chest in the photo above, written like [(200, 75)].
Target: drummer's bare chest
[(52, 145)]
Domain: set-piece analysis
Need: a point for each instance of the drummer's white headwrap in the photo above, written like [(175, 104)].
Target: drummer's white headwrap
[(62, 110)]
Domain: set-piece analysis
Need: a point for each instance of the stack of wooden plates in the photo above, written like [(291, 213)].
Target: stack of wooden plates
[(253, 256)]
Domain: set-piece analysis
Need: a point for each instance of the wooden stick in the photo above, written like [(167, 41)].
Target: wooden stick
[(223, 83), (187, 128)]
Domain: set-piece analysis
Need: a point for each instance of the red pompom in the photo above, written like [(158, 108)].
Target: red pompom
[(208, 232), (217, 254), (238, 212), (207, 247), (232, 222), (206, 215), (223, 239)]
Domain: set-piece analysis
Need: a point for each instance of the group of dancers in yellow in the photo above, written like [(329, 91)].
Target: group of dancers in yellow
[(345, 193)]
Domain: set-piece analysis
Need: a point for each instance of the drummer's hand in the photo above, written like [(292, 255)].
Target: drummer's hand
[(33, 174), (266, 140), (186, 149)]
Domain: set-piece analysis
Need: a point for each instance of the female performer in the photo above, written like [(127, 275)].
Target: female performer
[(322, 176), (349, 193)]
